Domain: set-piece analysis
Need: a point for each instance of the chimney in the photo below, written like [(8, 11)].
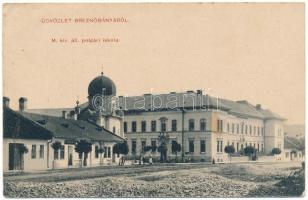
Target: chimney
[(6, 102), (99, 119), (258, 106), (22, 103), (63, 114)]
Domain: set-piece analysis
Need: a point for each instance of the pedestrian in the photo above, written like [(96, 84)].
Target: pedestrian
[(150, 160), (141, 160), (122, 160)]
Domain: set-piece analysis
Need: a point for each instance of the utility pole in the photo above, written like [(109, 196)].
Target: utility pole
[(183, 133)]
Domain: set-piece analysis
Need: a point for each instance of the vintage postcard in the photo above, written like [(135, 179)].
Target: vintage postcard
[(153, 100)]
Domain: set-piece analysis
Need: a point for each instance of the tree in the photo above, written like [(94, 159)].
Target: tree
[(229, 150), (101, 150), (147, 148), (176, 147), (83, 147), (276, 151), (249, 151), (163, 148), (56, 146), (23, 149), (293, 151), (154, 148), (116, 148), (241, 152), (302, 145), (121, 148)]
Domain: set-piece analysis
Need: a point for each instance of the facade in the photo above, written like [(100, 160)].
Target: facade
[(202, 124)]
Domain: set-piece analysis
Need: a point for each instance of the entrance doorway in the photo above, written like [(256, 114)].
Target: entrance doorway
[(70, 155), (16, 158)]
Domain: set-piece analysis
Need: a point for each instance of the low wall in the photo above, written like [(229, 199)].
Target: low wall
[(240, 159), (267, 159), (247, 159)]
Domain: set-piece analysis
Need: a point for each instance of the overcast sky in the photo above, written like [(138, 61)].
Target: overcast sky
[(238, 51)]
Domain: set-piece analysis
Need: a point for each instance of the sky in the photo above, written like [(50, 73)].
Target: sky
[(241, 51)]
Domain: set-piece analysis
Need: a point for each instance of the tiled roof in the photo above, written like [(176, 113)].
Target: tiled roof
[(56, 112), (292, 143), (172, 101), (59, 127), (271, 115), (17, 126), (240, 108), (169, 101)]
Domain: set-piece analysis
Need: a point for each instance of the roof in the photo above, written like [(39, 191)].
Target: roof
[(101, 84), (243, 108), (193, 100), (293, 143), (169, 101), (188, 100), (270, 115), (17, 126), (59, 127), (56, 112)]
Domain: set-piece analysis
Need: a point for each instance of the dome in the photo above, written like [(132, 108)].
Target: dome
[(100, 83)]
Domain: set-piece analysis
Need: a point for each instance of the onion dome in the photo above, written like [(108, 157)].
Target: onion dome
[(102, 85)]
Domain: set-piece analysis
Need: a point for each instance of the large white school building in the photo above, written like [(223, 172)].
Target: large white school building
[(202, 124)]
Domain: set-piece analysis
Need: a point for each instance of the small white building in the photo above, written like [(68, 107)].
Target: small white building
[(37, 130), (294, 149)]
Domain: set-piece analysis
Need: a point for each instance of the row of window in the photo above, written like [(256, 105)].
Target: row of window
[(238, 147), (107, 152), (231, 128), (163, 125), (34, 151), (191, 144), (240, 128), (143, 144), (59, 154)]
